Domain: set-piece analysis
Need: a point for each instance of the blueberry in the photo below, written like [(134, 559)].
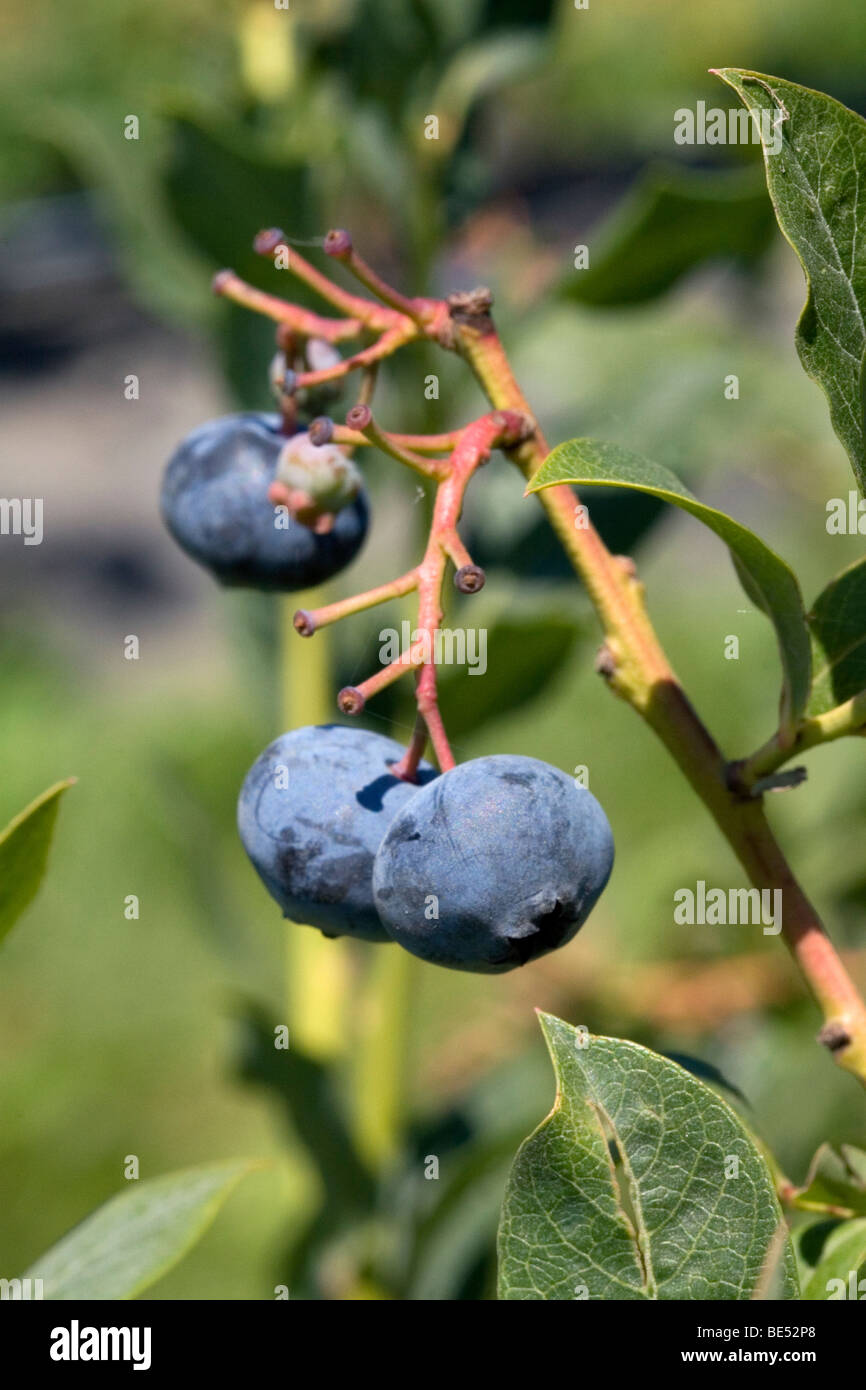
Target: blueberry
[(311, 814), (215, 503), (497, 862)]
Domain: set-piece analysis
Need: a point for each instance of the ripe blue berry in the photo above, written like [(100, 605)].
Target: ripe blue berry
[(215, 503), (311, 814), (495, 863)]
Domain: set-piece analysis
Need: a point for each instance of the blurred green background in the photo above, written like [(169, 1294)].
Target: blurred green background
[(123, 1037)]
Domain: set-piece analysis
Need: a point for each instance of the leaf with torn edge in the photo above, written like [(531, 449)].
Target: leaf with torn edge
[(642, 1183)]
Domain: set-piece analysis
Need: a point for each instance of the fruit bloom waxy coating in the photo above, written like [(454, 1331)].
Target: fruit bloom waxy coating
[(215, 503), (509, 851), (311, 814)]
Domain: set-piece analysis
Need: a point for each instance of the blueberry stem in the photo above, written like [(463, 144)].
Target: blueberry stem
[(373, 316), (360, 421), (367, 389), (473, 447), (365, 690), (402, 446), (407, 768), (230, 286), (311, 619), (428, 708), (843, 721), (338, 244), (389, 342)]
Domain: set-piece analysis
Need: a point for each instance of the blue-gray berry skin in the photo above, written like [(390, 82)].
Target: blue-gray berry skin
[(509, 852), (311, 814), (215, 503)]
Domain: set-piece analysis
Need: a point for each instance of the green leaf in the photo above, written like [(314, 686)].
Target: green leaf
[(622, 1193), (671, 221), (856, 1162), (448, 1227), (308, 1094), (221, 194), (24, 846), (837, 623), (155, 263), (461, 1231), (545, 643), (767, 580), (622, 519), (842, 1255), (705, 1071), (816, 181), (836, 1183), (126, 1245), (808, 1241), (478, 70)]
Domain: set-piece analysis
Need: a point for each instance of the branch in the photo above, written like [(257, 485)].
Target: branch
[(845, 720), (638, 670)]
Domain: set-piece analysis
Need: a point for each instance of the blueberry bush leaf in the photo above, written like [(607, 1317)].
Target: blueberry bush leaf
[(124, 1246), (24, 846), (546, 643), (767, 579), (220, 193), (160, 269), (479, 69), (842, 1254), (836, 1183), (673, 220), (815, 158), (626, 1191), (837, 623)]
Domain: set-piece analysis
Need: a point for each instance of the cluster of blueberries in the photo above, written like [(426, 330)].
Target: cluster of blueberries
[(483, 867)]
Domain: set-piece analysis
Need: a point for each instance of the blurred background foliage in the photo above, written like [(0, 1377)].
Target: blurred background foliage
[(556, 128)]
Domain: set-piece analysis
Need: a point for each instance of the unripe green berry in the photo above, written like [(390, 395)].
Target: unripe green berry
[(322, 472)]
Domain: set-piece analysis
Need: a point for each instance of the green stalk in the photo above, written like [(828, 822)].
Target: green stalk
[(379, 1072), (318, 970)]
